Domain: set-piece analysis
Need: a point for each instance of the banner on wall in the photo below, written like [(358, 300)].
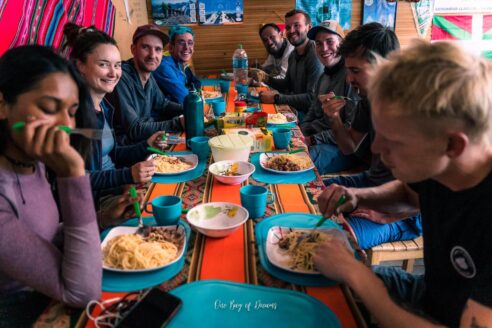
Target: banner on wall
[(422, 16), (462, 6), (474, 32), (174, 12), (319, 10), (220, 12), (41, 21), (379, 11)]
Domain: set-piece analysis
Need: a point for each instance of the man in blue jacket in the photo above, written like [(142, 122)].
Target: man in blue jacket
[(142, 107), (173, 75)]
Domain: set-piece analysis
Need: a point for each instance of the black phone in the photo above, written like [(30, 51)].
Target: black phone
[(154, 309)]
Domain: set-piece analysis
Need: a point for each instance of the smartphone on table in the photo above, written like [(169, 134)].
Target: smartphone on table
[(155, 309)]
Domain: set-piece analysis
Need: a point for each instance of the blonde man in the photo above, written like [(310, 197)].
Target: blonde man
[(431, 109)]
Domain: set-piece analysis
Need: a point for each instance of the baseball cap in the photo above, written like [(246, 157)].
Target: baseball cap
[(150, 29), (330, 26)]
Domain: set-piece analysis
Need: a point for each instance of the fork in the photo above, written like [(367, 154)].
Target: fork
[(142, 230), (95, 134)]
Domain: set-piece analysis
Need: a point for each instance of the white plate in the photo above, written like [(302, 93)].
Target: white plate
[(117, 231), (190, 158), (280, 258), (291, 118), (264, 157)]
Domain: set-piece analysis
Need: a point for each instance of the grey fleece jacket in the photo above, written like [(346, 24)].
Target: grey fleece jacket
[(297, 88), (316, 123), (135, 103)]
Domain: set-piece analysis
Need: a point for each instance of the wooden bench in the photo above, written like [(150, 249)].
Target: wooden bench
[(407, 250)]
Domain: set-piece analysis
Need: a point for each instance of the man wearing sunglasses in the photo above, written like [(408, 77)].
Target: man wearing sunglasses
[(174, 75)]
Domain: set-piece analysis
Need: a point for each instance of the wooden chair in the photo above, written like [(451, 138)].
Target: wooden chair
[(408, 251)]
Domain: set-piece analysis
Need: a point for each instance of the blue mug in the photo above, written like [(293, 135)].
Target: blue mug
[(219, 108), (199, 146), (242, 89), (255, 200), (166, 209), (281, 138), (224, 87)]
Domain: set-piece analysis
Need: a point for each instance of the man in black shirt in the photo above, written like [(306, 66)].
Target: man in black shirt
[(432, 113)]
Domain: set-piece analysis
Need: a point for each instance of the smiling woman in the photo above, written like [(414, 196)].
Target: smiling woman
[(41, 89), (97, 58)]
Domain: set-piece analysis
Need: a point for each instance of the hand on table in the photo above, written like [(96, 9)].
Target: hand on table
[(267, 97), (331, 106), (143, 171), (119, 208)]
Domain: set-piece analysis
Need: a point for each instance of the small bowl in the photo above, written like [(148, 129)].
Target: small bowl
[(244, 170), (218, 219)]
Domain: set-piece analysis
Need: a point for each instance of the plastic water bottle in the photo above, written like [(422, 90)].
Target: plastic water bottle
[(240, 66), (193, 115)]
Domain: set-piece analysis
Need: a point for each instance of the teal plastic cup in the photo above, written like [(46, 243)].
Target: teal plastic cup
[(242, 89), (165, 209), (199, 146), (281, 138), (224, 86), (255, 200), (219, 108)]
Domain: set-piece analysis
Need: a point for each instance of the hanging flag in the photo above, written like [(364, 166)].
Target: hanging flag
[(422, 15), (474, 32)]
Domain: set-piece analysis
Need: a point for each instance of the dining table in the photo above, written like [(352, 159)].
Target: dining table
[(236, 258)]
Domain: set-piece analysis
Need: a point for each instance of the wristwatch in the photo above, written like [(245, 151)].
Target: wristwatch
[(276, 98)]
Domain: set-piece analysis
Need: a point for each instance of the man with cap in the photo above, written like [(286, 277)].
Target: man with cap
[(304, 68), (278, 49), (174, 75), (143, 108), (316, 126)]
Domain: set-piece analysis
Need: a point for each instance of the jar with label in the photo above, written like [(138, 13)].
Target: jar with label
[(239, 106)]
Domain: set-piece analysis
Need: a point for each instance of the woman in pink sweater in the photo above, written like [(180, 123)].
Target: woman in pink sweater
[(40, 258)]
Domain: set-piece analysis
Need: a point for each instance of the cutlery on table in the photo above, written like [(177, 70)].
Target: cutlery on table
[(95, 134), (142, 230), (341, 200)]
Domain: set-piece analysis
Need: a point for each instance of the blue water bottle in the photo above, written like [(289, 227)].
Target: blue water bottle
[(193, 114)]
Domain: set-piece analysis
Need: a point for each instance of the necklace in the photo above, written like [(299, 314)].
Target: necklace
[(18, 163)]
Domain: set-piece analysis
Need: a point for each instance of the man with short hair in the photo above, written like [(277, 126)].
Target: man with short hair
[(174, 75), (303, 70), (359, 49), (143, 108), (278, 49), (433, 130), (316, 126)]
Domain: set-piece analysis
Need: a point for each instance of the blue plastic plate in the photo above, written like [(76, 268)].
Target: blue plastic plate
[(127, 282), (293, 220), (214, 303)]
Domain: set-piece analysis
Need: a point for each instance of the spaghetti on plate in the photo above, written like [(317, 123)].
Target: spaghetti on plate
[(133, 252), (170, 164), (300, 246)]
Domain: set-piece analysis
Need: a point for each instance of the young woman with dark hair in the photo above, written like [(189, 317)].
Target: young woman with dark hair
[(41, 259)]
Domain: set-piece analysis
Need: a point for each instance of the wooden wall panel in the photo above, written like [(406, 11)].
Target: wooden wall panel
[(215, 44)]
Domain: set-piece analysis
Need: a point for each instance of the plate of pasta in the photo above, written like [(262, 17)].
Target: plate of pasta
[(174, 164), (292, 249), (125, 251), (281, 118), (285, 163)]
